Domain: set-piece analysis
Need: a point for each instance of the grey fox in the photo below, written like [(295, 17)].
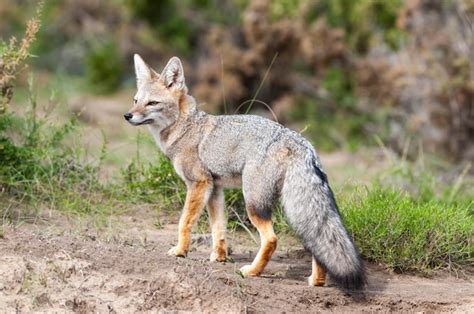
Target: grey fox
[(269, 162)]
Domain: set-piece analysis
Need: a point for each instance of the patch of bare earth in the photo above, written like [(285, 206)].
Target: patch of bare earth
[(65, 268)]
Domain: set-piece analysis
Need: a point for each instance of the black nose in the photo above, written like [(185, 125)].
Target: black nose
[(128, 116)]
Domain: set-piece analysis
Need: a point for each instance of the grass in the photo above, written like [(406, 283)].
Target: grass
[(152, 182), (413, 217), (405, 233)]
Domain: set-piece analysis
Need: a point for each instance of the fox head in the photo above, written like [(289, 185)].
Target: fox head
[(158, 97)]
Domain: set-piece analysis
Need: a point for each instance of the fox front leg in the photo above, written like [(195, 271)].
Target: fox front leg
[(217, 220), (196, 198)]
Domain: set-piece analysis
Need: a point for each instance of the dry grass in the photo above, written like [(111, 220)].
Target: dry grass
[(13, 56)]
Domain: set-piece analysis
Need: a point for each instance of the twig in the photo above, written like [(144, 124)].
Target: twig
[(263, 81)]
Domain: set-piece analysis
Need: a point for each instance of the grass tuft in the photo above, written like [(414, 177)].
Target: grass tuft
[(153, 182), (409, 234)]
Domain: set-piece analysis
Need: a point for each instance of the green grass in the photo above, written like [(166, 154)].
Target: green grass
[(405, 233), (414, 217), (152, 182), (41, 170)]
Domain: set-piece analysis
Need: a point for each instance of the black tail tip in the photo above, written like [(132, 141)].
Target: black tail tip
[(354, 281)]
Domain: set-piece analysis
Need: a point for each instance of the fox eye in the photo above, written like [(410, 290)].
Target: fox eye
[(135, 101), (152, 103)]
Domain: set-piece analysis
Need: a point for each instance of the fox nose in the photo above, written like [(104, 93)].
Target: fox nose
[(128, 116)]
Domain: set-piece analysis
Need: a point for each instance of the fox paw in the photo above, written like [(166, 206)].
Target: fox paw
[(312, 281), (176, 251), (219, 254), (218, 257), (249, 271)]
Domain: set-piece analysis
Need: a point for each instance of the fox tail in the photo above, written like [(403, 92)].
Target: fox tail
[(312, 211)]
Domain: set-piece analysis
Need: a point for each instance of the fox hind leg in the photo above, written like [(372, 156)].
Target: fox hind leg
[(268, 243), (318, 275), (261, 186), (217, 220)]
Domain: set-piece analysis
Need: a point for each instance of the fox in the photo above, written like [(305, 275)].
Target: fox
[(268, 161)]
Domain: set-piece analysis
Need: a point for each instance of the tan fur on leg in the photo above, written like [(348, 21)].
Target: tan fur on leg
[(268, 245), (196, 198), (318, 275)]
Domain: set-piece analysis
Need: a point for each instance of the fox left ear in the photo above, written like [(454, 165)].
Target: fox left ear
[(173, 74), (142, 70)]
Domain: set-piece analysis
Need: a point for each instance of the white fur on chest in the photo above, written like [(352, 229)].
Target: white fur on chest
[(155, 131)]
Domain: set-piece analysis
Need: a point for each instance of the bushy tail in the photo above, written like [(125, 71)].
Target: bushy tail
[(313, 213)]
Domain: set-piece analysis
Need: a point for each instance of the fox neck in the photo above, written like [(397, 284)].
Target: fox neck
[(166, 136)]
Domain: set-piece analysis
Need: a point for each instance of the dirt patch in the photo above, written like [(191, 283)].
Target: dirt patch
[(58, 267)]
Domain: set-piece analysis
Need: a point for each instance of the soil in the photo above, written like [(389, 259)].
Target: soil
[(63, 264)]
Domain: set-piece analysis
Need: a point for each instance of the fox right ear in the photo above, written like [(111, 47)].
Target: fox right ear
[(142, 71)]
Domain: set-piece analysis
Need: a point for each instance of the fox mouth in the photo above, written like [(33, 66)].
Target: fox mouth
[(147, 121)]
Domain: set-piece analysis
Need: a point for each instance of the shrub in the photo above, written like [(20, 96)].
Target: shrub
[(166, 20), (104, 67), (12, 58), (38, 167), (360, 18)]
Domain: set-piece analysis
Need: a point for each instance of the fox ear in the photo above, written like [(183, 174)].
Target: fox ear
[(173, 74), (142, 70)]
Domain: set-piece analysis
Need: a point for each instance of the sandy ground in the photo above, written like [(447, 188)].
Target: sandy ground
[(64, 265)]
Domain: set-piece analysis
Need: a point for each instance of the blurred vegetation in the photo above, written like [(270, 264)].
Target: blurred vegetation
[(12, 58), (341, 60), (362, 20), (165, 20), (321, 116), (104, 67)]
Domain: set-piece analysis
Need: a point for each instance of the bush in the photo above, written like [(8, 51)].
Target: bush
[(360, 18), (166, 19), (13, 57), (413, 219), (104, 67)]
